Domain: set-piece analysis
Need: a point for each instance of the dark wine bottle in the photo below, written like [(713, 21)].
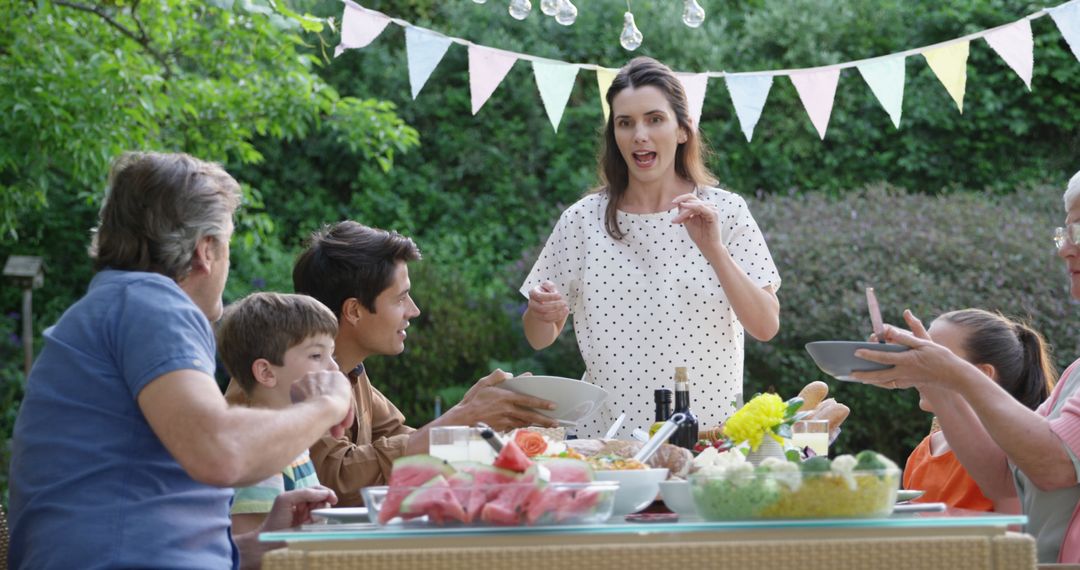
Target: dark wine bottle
[(662, 397), (686, 435)]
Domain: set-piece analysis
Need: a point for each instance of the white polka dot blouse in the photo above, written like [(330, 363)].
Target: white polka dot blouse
[(650, 302)]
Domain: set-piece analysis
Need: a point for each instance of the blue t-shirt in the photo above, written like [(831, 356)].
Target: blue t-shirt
[(91, 485)]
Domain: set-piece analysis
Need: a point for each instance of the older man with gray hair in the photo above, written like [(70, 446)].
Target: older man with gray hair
[(125, 451)]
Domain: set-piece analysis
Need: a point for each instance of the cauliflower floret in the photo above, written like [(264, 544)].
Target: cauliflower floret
[(784, 472), (844, 466)]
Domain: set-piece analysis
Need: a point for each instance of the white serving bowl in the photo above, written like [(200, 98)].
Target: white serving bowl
[(638, 488), (573, 399), (677, 497), (837, 357)]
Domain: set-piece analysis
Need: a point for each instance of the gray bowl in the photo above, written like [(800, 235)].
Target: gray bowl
[(837, 357)]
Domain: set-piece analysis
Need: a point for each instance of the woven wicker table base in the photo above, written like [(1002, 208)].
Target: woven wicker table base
[(1011, 551)]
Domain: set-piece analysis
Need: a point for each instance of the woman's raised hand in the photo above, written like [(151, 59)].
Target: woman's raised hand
[(547, 303), (925, 362), (700, 219)]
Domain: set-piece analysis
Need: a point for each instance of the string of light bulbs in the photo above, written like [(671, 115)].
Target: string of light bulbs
[(565, 13)]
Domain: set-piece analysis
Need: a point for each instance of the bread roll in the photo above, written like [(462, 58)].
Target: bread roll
[(831, 410), (813, 394)]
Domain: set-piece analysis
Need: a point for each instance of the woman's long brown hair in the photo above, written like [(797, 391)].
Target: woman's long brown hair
[(1018, 353), (689, 157)]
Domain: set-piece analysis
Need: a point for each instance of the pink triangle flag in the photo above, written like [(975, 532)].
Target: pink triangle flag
[(487, 68), (1015, 45), (817, 89), (694, 84), (359, 27)]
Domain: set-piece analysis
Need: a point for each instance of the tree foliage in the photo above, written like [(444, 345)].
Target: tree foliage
[(313, 140)]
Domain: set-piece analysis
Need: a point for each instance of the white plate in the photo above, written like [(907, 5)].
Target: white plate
[(574, 399), (908, 495), (343, 514)]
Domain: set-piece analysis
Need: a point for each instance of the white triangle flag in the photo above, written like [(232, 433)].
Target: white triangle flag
[(425, 50), (487, 68), (1015, 45), (555, 80), (359, 27), (886, 79), (604, 78), (817, 89), (694, 84), (748, 93), (1067, 18)]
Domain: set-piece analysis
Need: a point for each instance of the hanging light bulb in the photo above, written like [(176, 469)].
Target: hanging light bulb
[(693, 14), (567, 13), (519, 9), (630, 38), (549, 7)]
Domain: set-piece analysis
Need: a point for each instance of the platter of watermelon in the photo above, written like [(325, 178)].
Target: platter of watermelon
[(424, 490)]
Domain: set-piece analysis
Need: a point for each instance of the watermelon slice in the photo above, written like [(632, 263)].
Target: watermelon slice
[(508, 504), (579, 503), (436, 500), (487, 480), (561, 501), (408, 473), (566, 470), (511, 457), (462, 484)]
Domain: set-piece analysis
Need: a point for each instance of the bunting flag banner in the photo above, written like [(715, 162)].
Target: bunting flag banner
[(359, 28), (949, 63), (1016, 46), (886, 79), (694, 84), (604, 77), (555, 80), (748, 94), (487, 68), (425, 50), (817, 89), (1067, 18)]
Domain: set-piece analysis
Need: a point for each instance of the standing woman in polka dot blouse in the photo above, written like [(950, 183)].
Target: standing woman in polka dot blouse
[(659, 268)]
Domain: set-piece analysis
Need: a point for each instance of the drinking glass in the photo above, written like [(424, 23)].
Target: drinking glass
[(813, 434), (459, 443)]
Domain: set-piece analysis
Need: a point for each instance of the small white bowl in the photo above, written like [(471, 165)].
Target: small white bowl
[(677, 497), (574, 399), (638, 488)]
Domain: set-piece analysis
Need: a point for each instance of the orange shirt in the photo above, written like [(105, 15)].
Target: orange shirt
[(943, 479)]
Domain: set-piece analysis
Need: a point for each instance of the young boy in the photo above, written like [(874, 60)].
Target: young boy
[(267, 342)]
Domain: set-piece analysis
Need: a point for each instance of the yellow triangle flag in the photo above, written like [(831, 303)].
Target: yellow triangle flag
[(949, 63), (604, 77)]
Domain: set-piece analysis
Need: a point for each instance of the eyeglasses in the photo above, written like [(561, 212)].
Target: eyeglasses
[(1069, 233)]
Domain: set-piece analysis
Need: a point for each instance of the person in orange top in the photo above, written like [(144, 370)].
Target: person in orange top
[(1016, 357)]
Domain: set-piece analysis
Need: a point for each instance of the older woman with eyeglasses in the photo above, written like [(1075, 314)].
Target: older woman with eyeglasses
[(1006, 447)]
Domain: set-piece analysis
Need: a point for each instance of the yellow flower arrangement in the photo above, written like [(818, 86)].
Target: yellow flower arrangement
[(761, 416)]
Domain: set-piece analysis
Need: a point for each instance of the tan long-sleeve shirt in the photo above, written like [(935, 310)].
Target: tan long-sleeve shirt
[(364, 455)]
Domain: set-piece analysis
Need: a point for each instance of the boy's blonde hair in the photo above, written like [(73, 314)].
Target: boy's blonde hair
[(265, 325)]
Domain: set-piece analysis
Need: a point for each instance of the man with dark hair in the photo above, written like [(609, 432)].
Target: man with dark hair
[(124, 452), (361, 273)]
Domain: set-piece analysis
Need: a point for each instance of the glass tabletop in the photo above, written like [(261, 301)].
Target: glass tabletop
[(370, 531)]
